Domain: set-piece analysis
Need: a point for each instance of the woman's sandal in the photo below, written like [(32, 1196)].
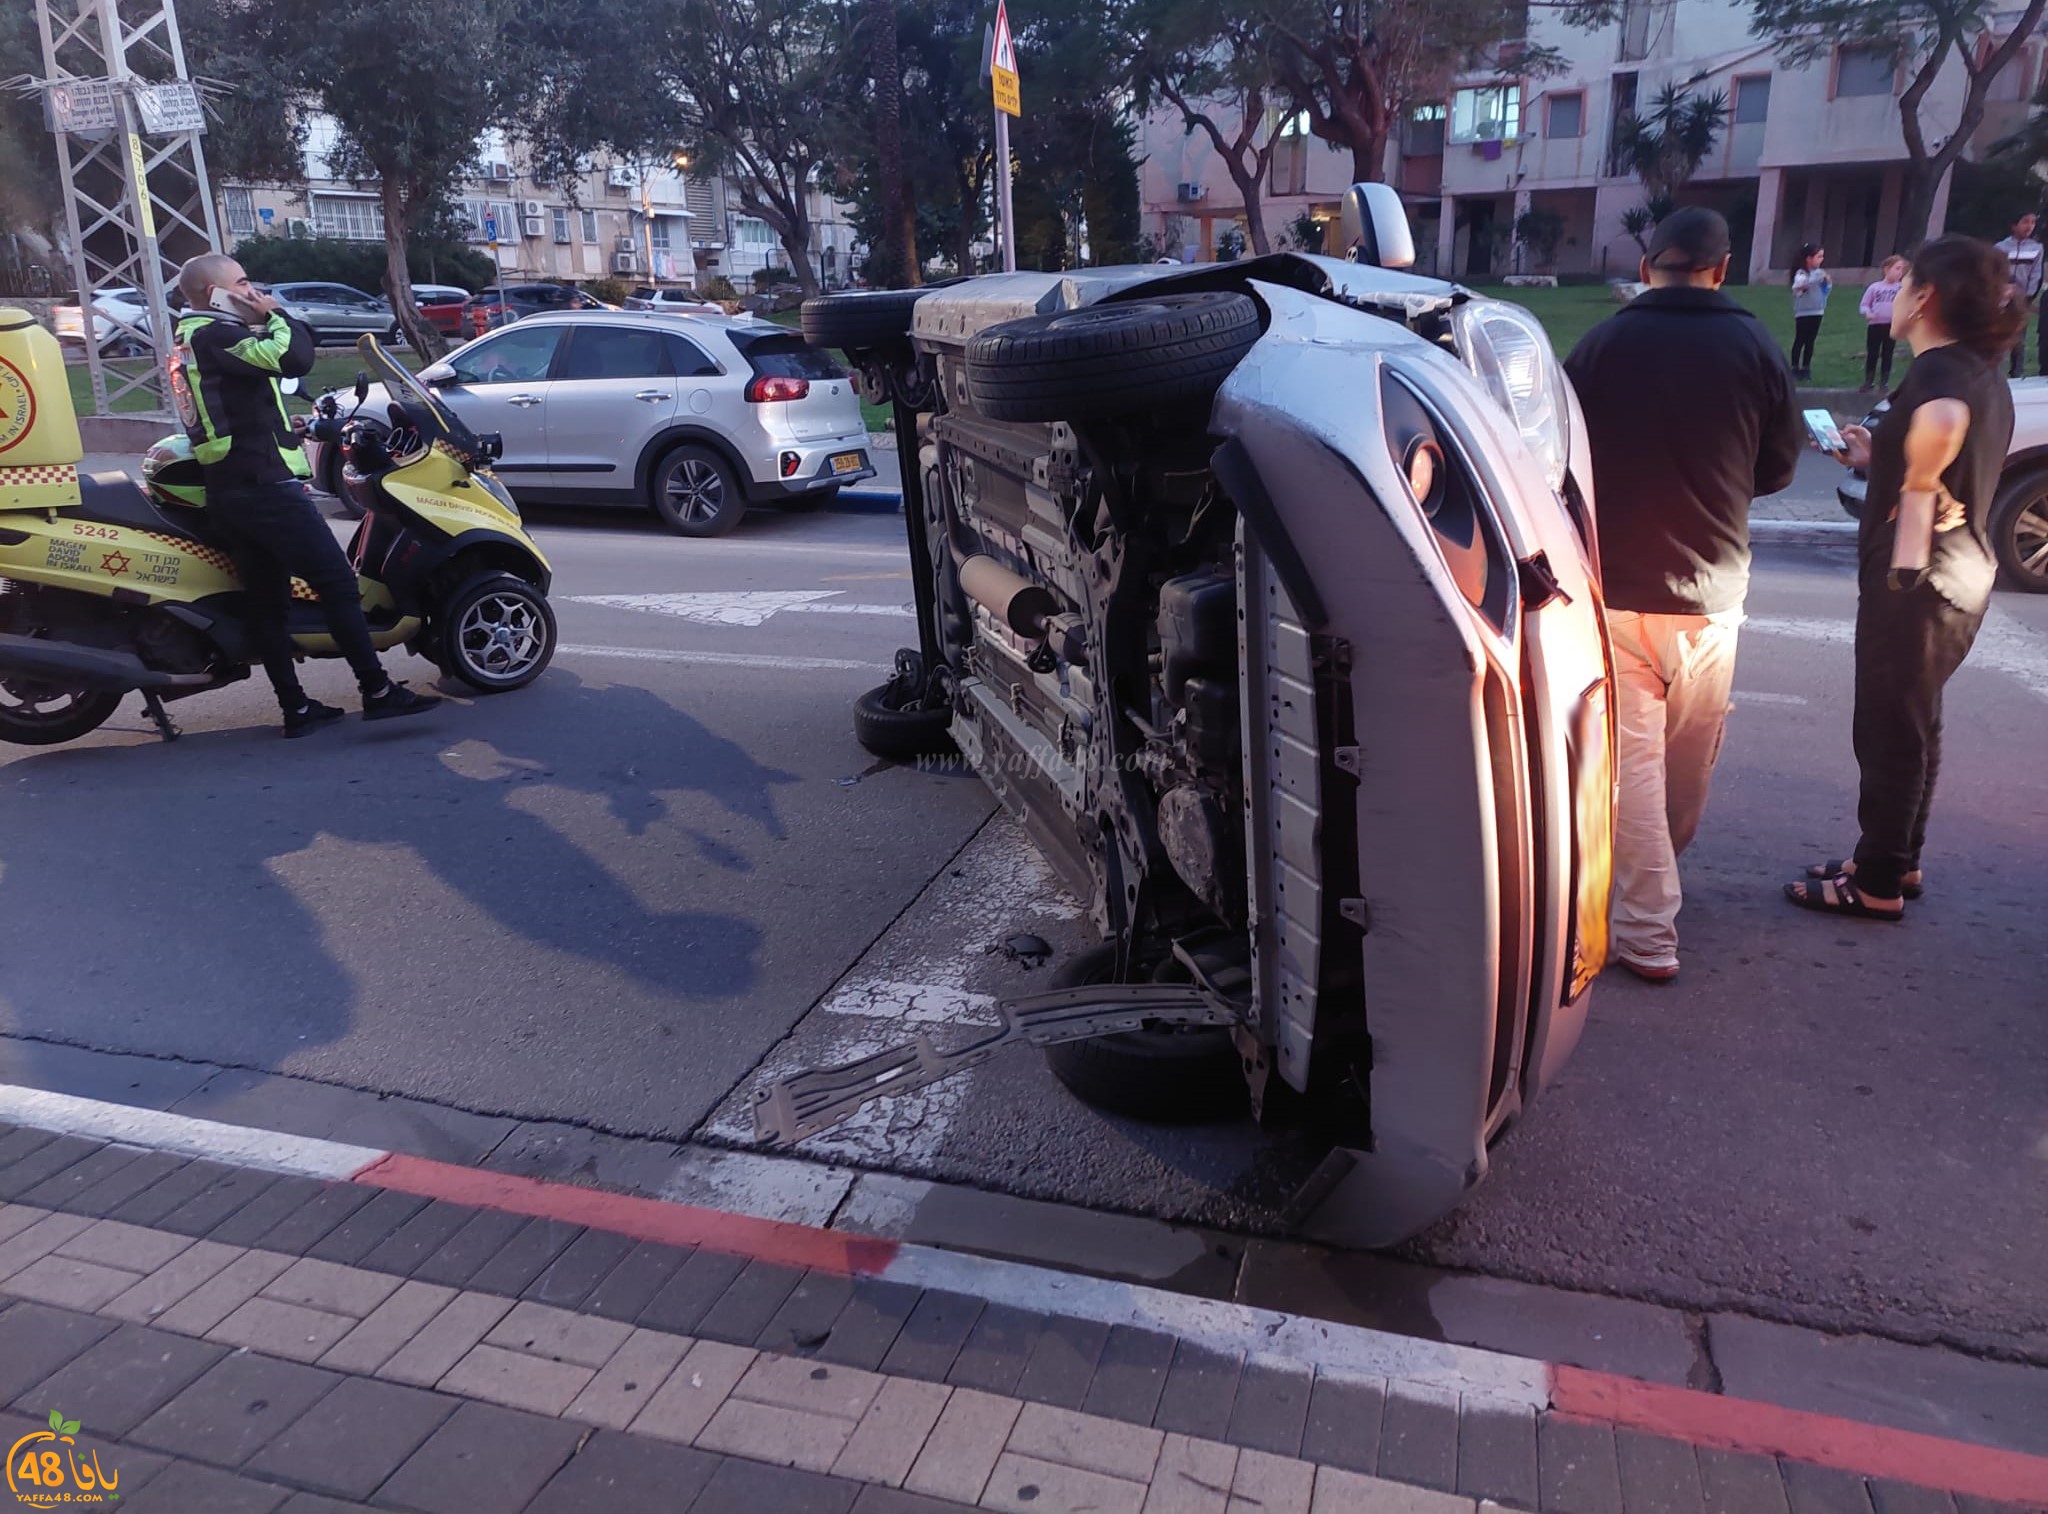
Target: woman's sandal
[(1837, 896), (1846, 869)]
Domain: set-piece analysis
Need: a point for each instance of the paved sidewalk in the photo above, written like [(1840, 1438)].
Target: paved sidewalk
[(232, 1338)]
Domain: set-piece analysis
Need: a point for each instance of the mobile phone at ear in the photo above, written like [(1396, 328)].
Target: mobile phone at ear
[(225, 302), (1826, 434)]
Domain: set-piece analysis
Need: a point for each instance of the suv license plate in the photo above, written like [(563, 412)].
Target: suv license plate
[(847, 462)]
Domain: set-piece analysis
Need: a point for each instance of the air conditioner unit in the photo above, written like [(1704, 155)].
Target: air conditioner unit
[(1192, 192), (298, 228), (533, 226), (533, 208), (627, 244), (624, 262), (501, 170)]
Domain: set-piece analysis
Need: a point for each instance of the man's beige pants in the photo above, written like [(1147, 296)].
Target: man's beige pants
[(1674, 674)]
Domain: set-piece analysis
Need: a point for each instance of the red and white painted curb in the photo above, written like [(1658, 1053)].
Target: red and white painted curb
[(1407, 1367)]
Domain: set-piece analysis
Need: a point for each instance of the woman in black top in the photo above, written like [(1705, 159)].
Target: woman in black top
[(1940, 449)]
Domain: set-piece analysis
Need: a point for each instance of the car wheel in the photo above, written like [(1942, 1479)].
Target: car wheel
[(2019, 530), (496, 634), (395, 337), (697, 492), (813, 500), (888, 723), (1169, 1075), (861, 321), (1109, 360)]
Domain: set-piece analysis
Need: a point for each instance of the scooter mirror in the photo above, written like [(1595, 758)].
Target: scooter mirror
[(362, 387)]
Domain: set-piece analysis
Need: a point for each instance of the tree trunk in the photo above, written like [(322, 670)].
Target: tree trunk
[(912, 274), (887, 70), (1917, 183), (421, 337), (796, 241)]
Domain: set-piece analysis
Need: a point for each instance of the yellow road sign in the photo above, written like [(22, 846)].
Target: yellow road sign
[(1002, 67)]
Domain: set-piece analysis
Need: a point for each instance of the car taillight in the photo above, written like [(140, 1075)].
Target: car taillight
[(789, 463), (768, 391)]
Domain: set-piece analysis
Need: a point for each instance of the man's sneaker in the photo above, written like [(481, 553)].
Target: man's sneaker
[(309, 717), (1649, 972), (397, 700)]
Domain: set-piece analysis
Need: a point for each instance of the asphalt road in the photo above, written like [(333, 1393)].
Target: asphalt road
[(618, 898)]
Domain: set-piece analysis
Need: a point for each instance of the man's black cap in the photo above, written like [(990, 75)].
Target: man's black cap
[(1690, 238)]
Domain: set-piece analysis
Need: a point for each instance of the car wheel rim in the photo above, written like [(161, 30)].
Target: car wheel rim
[(695, 491), (501, 636), (2030, 538)]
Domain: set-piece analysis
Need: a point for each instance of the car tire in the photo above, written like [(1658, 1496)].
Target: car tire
[(496, 633), (395, 337), (2019, 530), (811, 501), (1172, 1075), (697, 492), (883, 725), (862, 320), (328, 480), (1110, 360)]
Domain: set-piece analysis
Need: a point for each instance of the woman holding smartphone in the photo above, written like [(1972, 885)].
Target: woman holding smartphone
[(1810, 289), (1925, 567)]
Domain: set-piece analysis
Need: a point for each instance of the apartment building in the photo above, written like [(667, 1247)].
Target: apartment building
[(1809, 153), (647, 223)]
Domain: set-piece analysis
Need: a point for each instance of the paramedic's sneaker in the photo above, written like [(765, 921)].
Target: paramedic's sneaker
[(395, 700), (309, 717)]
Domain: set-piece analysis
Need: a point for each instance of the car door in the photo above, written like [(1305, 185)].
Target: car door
[(359, 312), (614, 388), (314, 305), (502, 384)]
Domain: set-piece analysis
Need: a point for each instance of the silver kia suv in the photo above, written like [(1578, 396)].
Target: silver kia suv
[(696, 416)]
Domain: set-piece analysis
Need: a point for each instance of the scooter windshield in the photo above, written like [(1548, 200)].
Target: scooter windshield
[(435, 421)]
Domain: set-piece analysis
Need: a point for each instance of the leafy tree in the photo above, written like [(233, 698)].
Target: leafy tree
[(1665, 145), (1540, 231), (1355, 65), (1926, 36), (1212, 62), (755, 84)]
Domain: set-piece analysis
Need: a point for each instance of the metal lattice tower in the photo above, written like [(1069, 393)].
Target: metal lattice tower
[(128, 124)]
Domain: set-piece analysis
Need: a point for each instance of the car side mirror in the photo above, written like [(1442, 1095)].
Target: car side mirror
[(362, 387), (436, 373), (1374, 226)]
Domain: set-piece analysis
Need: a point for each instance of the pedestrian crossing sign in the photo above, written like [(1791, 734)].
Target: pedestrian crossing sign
[(1002, 66)]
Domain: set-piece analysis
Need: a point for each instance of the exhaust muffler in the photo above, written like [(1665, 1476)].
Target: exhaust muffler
[(1025, 607), (97, 667)]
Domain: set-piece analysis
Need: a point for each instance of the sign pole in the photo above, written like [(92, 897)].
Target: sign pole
[(1002, 80), (1006, 213)]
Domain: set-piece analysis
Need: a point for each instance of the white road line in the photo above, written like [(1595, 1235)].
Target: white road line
[(728, 659), (742, 607), (188, 1135), (2005, 645), (1753, 696)]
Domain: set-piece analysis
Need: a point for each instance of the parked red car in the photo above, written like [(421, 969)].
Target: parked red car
[(441, 306), (499, 306)]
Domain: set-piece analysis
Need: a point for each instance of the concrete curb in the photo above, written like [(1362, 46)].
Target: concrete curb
[(1819, 533), (1418, 1367)]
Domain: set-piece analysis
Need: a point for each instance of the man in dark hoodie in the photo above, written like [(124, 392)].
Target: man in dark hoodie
[(1692, 414)]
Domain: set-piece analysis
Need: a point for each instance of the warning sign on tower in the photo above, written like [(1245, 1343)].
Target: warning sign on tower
[(1002, 66)]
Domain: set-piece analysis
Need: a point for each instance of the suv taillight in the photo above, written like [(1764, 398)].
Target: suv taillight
[(768, 391)]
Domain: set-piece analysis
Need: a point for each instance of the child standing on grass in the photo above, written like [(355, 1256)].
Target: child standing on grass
[(1878, 341), (1810, 288)]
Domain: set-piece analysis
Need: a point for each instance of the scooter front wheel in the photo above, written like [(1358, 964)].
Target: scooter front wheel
[(497, 633), (33, 713)]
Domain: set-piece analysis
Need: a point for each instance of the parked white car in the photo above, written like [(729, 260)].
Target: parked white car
[(2019, 515), (697, 417), (124, 305), (674, 301)]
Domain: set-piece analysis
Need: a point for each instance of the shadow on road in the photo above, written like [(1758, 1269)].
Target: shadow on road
[(186, 899)]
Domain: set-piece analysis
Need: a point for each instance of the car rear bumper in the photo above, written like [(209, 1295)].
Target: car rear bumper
[(811, 467)]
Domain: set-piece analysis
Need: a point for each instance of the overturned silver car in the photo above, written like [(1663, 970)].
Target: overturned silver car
[(1265, 595)]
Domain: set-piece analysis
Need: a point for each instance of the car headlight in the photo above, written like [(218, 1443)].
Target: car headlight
[(1510, 352)]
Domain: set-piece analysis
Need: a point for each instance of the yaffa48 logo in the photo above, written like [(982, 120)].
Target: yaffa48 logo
[(48, 1469)]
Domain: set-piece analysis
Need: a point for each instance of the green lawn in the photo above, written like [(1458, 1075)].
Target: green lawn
[(1568, 313), (335, 368)]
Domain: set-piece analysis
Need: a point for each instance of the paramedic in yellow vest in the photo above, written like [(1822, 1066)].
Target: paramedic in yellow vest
[(234, 345)]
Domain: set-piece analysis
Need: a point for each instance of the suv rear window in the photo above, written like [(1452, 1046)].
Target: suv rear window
[(786, 357)]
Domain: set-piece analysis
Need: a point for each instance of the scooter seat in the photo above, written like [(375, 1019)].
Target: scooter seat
[(115, 499)]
